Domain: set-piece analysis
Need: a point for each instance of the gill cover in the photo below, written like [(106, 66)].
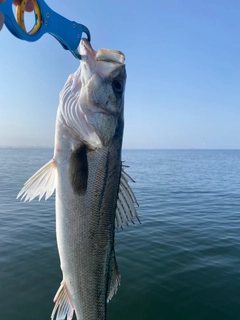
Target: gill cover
[(89, 102)]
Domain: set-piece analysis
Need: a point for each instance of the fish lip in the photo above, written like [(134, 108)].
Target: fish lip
[(112, 56), (104, 55), (87, 50)]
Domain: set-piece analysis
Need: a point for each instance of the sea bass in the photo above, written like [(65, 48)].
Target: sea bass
[(93, 196)]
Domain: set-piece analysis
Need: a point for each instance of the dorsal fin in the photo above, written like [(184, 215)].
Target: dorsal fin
[(126, 211)]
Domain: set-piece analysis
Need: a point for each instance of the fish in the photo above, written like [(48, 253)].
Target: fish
[(93, 197)]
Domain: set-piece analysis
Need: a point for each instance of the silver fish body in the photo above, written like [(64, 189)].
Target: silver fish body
[(92, 192), (85, 230)]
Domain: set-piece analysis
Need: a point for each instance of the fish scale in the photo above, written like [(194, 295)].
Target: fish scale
[(93, 197), (94, 229)]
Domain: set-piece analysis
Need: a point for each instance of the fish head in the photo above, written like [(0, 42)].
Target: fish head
[(94, 112)]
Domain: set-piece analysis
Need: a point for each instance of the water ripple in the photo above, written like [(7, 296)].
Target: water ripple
[(182, 262)]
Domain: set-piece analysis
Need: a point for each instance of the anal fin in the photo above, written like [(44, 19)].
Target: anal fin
[(63, 307)]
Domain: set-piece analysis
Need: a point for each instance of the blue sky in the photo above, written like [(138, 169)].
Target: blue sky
[(183, 65)]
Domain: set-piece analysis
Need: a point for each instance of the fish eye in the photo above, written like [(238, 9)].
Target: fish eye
[(117, 86)]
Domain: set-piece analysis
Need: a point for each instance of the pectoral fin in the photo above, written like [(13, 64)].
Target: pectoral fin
[(78, 170), (42, 182), (126, 211)]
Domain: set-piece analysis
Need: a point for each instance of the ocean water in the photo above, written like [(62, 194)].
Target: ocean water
[(182, 262)]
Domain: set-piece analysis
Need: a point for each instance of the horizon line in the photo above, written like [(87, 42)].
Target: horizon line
[(48, 147)]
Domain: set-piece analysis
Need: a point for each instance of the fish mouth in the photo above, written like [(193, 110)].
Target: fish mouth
[(113, 56), (106, 55)]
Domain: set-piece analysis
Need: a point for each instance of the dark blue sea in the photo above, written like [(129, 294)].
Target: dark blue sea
[(182, 262)]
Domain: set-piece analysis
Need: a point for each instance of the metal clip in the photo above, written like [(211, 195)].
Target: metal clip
[(68, 33)]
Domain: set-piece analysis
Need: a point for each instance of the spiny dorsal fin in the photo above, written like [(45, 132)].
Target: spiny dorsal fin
[(126, 211), (63, 307), (42, 182)]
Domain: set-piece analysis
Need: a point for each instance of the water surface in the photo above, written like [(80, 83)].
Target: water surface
[(182, 262)]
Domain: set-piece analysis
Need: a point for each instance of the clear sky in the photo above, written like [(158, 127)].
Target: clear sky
[(183, 65)]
